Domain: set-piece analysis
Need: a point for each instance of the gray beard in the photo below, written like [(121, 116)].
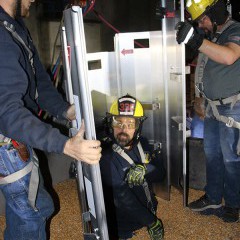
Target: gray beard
[(123, 139)]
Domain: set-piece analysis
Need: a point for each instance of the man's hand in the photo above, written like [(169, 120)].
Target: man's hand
[(135, 175), (188, 35), (88, 151)]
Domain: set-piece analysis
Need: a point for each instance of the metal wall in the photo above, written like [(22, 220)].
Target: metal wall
[(151, 67)]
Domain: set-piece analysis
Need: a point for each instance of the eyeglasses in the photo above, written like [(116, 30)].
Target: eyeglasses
[(131, 124), (201, 21)]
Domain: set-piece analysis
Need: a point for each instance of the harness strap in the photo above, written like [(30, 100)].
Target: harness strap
[(121, 152), (10, 28), (17, 175), (4, 140), (233, 99), (145, 186), (116, 148), (229, 121), (34, 182), (32, 167)]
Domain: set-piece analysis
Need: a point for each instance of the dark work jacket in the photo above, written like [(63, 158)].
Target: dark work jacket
[(127, 208), (18, 104)]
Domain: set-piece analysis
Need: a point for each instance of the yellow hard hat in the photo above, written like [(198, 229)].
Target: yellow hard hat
[(197, 8), (127, 106)]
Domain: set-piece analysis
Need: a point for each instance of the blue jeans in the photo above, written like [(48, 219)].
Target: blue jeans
[(22, 222), (223, 163)]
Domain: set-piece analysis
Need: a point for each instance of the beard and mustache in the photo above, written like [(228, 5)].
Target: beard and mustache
[(123, 139)]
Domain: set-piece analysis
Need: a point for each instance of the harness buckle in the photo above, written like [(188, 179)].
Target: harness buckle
[(116, 148), (230, 122)]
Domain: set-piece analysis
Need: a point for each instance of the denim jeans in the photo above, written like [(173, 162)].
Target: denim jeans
[(223, 163), (22, 221)]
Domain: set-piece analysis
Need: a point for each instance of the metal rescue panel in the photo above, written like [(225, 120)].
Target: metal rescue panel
[(139, 70), (102, 83), (151, 66), (174, 70), (76, 74), (139, 59)]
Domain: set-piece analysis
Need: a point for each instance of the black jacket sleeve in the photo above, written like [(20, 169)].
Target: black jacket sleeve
[(17, 121)]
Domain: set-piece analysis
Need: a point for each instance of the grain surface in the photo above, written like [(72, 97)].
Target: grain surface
[(180, 223)]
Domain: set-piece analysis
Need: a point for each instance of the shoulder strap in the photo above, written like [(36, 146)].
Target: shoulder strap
[(226, 26), (11, 29), (121, 152)]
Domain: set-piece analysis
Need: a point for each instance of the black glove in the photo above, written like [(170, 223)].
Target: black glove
[(156, 230), (188, 35), (136, 175)]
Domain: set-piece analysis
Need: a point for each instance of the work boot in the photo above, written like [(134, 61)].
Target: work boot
[(203, 203), (230, 215), (211, 211), (156, 230)]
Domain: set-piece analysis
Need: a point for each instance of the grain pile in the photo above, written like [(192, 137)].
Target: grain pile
[(180, 223)]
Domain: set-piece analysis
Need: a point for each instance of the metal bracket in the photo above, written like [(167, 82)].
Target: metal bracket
[(157, 145), (169, 12), (90, 236), (156, 106), (176, 77), (178, 122), (86, 217), (151, 106), (160, 12)]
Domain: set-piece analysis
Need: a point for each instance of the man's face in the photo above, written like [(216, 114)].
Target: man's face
[(124, 129), (25, 6), (205, 24)]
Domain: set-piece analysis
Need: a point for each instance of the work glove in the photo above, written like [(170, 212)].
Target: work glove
[(188, 35), (156, 230), (135, 175)]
